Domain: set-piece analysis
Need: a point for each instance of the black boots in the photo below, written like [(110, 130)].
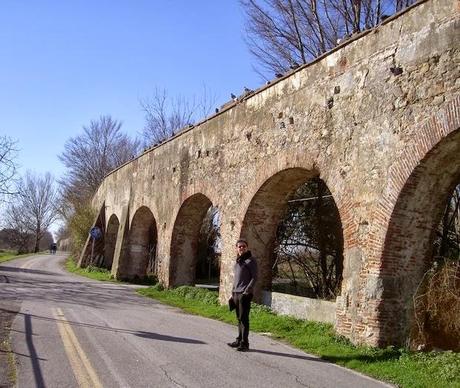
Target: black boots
[(240, 346), (243, 347), (234, 344)]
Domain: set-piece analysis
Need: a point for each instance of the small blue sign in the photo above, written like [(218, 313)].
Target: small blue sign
[(95, 232)]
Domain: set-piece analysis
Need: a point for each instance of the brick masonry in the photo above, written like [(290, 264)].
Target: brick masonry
[(386, 145)]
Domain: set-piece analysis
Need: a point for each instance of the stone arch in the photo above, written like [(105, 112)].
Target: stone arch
[(408, 243), (184, 241), (419, 186), (264, 214), (142, 245), (110, 240)]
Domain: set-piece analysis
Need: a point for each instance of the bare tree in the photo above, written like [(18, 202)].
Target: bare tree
[(166, 116), (437, 297), (89, 157), (309, 244), (34, 208), (283, 34), (209, 246), (8, 153), (16, 236)]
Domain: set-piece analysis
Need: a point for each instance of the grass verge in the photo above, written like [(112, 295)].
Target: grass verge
[(8, 367), (91, 272), (397, 366), (8, 311), (101, 274), (9, 363), (10, 255)]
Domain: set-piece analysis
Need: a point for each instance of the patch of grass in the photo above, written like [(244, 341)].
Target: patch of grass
[(7, 357), (398, 366), (10, 255), (10, 377), (12, 368), (6, 256), (91, 272), (11, 364)]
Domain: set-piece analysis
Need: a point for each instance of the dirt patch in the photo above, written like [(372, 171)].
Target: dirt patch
[(8, 311)]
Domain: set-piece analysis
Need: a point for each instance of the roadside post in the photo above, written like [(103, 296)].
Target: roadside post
[(95, 233)]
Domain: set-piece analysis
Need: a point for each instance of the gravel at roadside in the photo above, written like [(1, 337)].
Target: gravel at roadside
[(8, 311)]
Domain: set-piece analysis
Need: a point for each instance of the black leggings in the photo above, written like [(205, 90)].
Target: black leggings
[(243, 306)]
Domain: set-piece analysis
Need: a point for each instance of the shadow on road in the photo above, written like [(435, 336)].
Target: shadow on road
[(161, 337), (26, 270), (83, 293), (298, 356), (39, 382), (138, 333)]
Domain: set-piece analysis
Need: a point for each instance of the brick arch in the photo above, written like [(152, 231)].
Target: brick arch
[(141, 245), (263, 215), (184, 241), (319, 165), (110, 240), (419, 185)]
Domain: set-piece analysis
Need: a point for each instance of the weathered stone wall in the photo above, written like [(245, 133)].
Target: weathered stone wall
[(300, 307), (365, 118)]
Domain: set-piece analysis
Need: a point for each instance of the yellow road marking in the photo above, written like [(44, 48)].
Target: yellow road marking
[(84, 373), (27, 265)]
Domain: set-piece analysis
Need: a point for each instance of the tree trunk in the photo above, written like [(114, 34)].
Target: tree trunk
[(322, 244), (37, 238)]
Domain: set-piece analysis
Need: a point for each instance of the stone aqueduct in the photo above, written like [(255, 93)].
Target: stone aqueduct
[(377, 119)]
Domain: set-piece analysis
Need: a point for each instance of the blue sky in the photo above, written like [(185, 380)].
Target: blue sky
[(64, 63)]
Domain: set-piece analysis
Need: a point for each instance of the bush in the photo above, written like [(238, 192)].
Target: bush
[(158, 287), (201, 294), (436, 306), (260, 308), (79, 226), (92, 268)]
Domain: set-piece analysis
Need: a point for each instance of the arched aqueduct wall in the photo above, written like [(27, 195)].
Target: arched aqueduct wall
[(377, 119)]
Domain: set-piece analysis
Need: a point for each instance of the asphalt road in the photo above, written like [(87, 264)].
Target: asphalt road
[(73, 332)]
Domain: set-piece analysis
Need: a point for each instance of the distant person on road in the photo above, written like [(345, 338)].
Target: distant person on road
[(245, 276), (53, 248)]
